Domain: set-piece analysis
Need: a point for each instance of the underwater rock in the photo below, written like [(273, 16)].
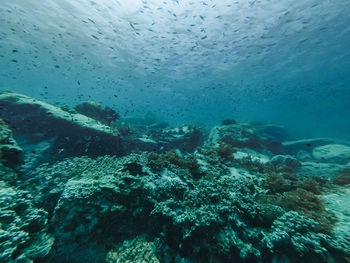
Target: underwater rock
[(332, 153), (35, 153), (228, 122), (243, 135), (272, 131), (338, 202), (324, 171), (137, 250), (95, 111), (285, 163), (293, 147), (23, 228), (184, 138), (10, 152), (251, 155), (240, 134), (34, 121), (304, 156)]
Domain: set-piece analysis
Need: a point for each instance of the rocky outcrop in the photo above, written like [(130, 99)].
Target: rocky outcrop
[(285, 163), (272, 131), (242, 135), (66, 133), (306, 145), (332, 153), (325, 171), (161, 139), (185, 138)]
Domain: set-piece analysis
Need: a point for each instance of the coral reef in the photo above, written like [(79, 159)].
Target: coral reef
[(216, 217), (235, 198)]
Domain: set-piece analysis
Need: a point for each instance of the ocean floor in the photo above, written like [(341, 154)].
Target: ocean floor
[(83, 185)]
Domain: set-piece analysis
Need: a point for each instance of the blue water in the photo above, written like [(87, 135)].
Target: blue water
[(284, 62)]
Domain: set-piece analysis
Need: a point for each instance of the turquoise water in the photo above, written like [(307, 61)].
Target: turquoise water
[(174, 131), (283, 62)]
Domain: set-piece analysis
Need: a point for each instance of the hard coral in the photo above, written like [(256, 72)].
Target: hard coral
[(296, 237), (309, 204), (95, 111), (159, 161)]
